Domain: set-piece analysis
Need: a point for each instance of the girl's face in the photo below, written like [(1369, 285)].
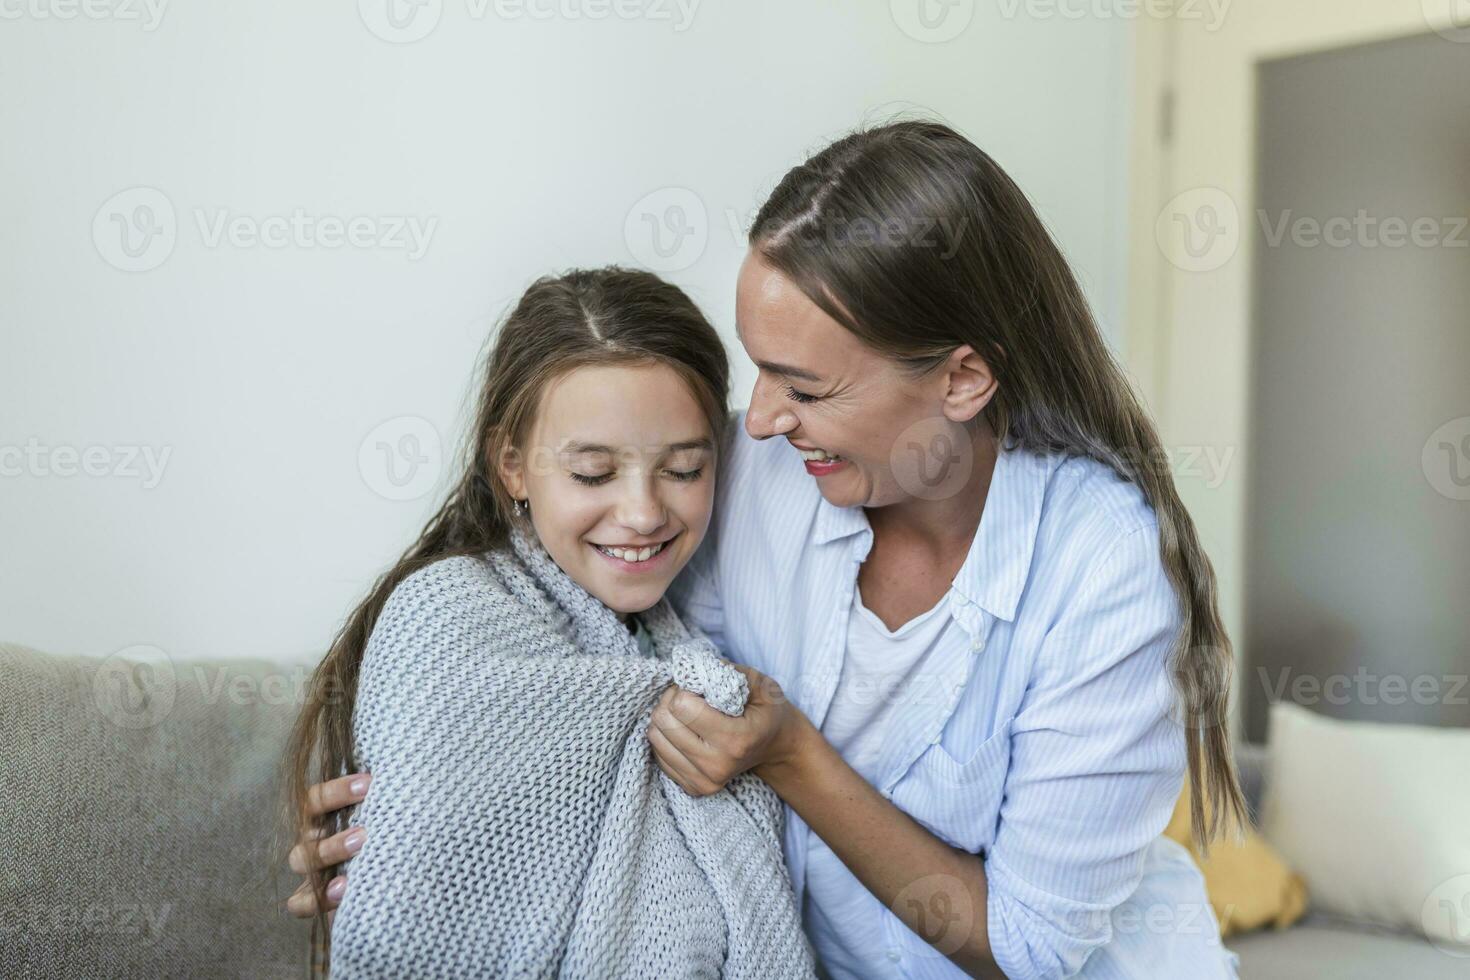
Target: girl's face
[(831, 395), (619, 471)]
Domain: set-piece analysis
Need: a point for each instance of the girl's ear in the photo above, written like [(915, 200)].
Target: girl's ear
[(969, 384), (511, 469)]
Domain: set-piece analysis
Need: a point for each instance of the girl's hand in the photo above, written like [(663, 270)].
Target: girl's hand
[(311, 853), (702, 748)]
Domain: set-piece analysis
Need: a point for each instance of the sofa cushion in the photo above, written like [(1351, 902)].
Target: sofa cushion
[(138, 827), (1374, 816), (1319, 947)]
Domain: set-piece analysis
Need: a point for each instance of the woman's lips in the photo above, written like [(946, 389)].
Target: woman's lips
[(823, 468)]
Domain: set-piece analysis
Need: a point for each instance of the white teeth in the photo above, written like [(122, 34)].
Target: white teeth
[(632, 554), (817, 455)]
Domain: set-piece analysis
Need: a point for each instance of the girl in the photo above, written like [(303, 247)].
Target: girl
[(985, 638), (499, 679)]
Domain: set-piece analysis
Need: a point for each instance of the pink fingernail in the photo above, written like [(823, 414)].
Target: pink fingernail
[(353, 841), (358, 786), (337, 886)]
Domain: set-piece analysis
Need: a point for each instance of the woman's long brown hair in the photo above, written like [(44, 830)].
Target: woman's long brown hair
[(914, 239), (585, 317)]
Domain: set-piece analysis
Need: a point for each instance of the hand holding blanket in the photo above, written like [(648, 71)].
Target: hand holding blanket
[(518, 825)]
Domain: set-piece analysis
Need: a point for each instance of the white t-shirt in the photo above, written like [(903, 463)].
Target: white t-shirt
[(882, 670)]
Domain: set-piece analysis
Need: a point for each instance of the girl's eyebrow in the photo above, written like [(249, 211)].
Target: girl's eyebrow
[(579, 448)]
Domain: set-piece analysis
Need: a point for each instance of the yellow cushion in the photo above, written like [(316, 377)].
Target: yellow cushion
[(1249, 885)]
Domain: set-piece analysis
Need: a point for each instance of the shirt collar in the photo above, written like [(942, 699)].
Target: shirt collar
[(995, 570)]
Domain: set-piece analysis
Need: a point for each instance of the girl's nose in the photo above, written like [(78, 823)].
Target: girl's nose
[(642, 512)]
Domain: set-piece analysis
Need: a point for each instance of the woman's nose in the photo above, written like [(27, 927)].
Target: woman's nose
[(767, 415)]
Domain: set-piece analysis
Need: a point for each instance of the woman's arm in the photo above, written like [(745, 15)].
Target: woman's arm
[(310, 854), (938, 891)]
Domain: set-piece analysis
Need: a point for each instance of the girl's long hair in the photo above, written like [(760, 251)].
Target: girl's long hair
[(585, 317), (915, 240)]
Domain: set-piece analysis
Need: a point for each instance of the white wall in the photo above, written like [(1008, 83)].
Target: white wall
[(527, 141)]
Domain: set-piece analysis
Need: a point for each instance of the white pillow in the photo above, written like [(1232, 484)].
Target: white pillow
[(1376, 818)]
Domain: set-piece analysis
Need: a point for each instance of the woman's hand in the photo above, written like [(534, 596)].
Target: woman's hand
[(702, 748), (311, 853)]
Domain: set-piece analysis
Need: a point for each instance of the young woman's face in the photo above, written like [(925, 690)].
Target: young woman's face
[(827, 392), (619, 471)]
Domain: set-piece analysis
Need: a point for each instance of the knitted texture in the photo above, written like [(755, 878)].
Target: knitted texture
[(518, 825)]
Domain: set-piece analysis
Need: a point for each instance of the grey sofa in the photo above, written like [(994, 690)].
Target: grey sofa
[(1326, 947), (138, 834)]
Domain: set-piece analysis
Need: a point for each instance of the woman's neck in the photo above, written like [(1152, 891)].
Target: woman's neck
[(949, 523)]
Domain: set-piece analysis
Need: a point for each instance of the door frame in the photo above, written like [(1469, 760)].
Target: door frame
[(1187, 334)]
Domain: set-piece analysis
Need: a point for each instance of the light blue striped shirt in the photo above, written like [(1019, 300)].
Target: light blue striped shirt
[(1037, 734)]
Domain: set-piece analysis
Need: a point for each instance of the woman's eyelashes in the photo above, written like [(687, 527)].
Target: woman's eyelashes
[(798, 396)]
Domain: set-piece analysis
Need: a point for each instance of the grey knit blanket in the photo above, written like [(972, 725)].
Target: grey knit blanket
[(518, 825)]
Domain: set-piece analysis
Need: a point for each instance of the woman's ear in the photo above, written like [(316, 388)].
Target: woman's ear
[(969, 384), (511, 469)]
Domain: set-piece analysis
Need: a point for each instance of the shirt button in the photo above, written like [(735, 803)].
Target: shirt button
[(978, 644), (893, 955)]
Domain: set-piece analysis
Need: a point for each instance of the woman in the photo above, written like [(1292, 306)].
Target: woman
[(964, 499)]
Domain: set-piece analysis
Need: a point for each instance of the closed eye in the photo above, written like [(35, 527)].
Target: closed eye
[(685, 476), (591, 481), (798, 396)]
